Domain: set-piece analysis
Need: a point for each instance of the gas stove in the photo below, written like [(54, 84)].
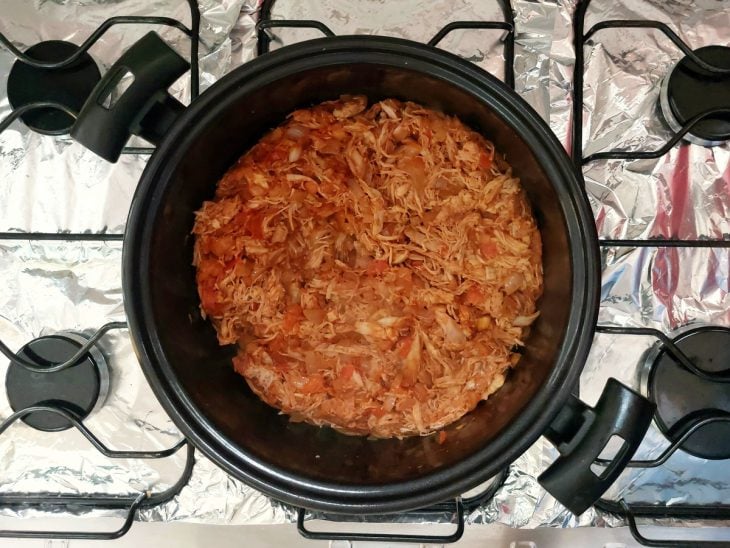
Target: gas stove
[(648, 125)]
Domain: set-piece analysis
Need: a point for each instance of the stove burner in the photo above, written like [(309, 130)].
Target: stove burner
[(689, 90), (69, 86), (682, 398), (80, 389)]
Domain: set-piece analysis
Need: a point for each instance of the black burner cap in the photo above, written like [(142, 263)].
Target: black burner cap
[(69, 86), (691, 90), (682, 397), (77, 389)]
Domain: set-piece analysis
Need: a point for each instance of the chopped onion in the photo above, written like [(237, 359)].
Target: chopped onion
[(450, 327), (294, 154), (296, 132), (524, 321), (513, 283)]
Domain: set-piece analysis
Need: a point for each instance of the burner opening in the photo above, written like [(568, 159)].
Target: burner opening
[(69, 86), (682, 398), (80, 389), (688, 91)]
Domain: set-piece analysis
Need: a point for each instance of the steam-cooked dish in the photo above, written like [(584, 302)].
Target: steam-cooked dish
[(378, 267)]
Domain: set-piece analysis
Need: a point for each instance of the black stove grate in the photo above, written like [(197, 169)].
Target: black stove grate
[(131, 504), (266, 23), (460, 506), (193, 33), (507, 25), (54, 501), (621, 507)]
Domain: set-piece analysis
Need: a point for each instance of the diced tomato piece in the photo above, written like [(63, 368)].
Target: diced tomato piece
[(311, 187), (377, 267), (325, 210), (421, 392), (313, 385), (376, 411), (404, 346), (254, 224), (347, 372), (292, 317), (315, 315), (488, 248), (474, 296), (485, 160), (209, 299), (278, 344), (442, 437), (404, 280), (280, 361)]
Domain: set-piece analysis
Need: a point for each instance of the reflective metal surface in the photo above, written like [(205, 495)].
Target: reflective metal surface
[(50, 184)]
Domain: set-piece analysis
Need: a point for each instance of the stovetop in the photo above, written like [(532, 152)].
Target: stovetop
[(62, 214)]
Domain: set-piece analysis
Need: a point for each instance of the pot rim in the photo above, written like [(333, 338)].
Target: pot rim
[(519, 434)]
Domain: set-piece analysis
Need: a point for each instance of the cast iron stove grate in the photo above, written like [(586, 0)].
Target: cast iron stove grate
[(55, 381), (460, 506), (50, 81), (687, 375), (47, 86)]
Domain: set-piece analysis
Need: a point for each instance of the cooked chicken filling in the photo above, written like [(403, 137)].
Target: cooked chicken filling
[(378, 267)]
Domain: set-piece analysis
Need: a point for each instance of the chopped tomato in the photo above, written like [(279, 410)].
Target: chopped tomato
[(222, 246), (280, 360), (209, 268), (292, 317), (254, 224), (474, 296), (404, 280), (314, 385), (421, 392), (377, 267), (278, 344), (311, 187), (209, 299), (488, 248), (347, 372), (376, 411), (325, 210), (485, 160), (404, 346), (315, 315), (442, 437)]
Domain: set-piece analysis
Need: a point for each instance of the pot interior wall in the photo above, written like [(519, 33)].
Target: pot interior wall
[(204, 369)]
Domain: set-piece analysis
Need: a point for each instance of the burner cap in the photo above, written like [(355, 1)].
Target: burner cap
[(682, 397), (69, 86), (689, 90), (80, 389)]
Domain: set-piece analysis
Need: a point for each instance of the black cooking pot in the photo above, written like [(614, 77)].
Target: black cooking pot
[(192, 375)]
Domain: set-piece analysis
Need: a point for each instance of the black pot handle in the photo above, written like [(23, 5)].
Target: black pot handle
[(580, 434), (144, 108)]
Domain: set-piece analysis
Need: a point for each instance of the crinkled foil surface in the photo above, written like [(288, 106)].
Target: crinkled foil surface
[(51, 184)]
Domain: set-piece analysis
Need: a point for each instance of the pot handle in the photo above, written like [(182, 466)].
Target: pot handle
[(144, 108), (580, 433)]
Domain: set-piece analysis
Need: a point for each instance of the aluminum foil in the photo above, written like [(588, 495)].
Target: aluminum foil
[(51, 184), (684, 193)]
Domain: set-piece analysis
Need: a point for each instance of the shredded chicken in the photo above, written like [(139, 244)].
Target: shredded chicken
[(377, 267)]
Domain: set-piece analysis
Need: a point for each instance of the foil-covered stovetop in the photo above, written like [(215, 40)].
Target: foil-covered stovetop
[(49, 184)]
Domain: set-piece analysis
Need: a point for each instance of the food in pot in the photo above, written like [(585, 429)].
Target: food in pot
[(378, 267)]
